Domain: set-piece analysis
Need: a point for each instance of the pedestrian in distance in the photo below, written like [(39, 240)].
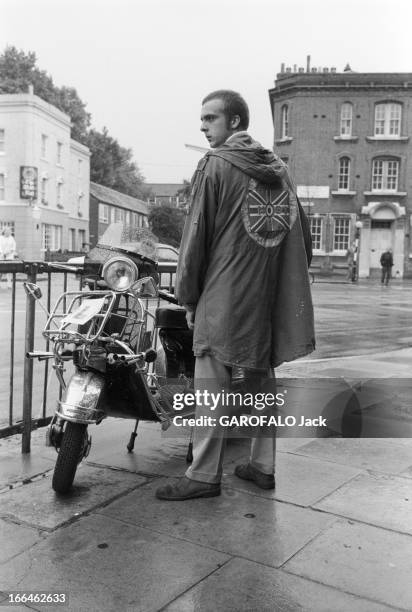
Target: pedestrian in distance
[(7, 250), (386, 262), (242, 276), (350, 258)]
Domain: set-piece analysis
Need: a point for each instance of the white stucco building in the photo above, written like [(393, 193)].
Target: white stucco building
[(44, 177)]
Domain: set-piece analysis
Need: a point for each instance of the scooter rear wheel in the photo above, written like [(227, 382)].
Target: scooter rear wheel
[(70, 454)]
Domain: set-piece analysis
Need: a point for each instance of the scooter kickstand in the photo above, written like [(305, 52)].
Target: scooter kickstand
[(133, 437), (189, 454)]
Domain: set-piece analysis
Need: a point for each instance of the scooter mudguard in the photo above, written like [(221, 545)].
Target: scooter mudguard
[(81, 398)]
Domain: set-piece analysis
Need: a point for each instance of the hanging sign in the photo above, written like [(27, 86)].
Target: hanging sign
[(28, 182)]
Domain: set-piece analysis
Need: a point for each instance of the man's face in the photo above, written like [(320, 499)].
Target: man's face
[(214, 123)]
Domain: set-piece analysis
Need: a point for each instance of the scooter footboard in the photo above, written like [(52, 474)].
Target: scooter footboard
[(81, 398)]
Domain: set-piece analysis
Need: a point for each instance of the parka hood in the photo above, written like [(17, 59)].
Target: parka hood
[(252, 158)]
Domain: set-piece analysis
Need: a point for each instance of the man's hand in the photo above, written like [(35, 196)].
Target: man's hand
[(190, 318)]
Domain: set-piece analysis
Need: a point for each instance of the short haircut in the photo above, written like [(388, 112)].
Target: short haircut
[(233, 104)]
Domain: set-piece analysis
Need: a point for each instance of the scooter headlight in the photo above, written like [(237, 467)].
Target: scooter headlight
[(120, 273)]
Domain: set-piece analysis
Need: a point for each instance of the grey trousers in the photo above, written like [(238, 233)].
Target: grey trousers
[(209, 442)]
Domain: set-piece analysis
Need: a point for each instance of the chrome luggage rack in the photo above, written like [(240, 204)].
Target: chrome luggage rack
[(65, 319)]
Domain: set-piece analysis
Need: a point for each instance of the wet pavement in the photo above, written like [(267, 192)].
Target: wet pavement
[(335, 534)]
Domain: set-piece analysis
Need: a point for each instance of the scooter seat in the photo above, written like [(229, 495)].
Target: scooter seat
[(171, 317)]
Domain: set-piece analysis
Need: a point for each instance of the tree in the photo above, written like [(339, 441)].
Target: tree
[(69, 102), (167, 223), (18, 71), (111, 164), (184, 192)]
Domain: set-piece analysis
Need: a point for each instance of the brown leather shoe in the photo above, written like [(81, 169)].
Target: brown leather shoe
[(186, 488), (248, 472)]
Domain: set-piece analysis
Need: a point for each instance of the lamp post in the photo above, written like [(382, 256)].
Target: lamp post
[(355, 265)]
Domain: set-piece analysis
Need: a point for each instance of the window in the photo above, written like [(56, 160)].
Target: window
[(285, 121), (380, 224), (113, 214), (346, 119), (72, 239), (51, 237), (118, 216), (104, 213), (344, 174), (316, 227), (80, 168), (2, 141), (59, 195), (43, 153), (127, 217), (134, 219), (4, 224), (2, 187), (82, 238), (341, 234), (59, 153), (385, 174), (388, 119), (43, 193)]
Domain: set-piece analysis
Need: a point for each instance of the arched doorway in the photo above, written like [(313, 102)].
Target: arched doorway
[(382, 238), (384, 228)]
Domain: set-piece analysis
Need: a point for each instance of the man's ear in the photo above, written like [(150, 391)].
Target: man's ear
[(235, 122)]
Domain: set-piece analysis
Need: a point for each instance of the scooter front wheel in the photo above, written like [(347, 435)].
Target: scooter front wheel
[(71, 452)]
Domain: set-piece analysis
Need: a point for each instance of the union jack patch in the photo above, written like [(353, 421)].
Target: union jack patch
[(268, 212)]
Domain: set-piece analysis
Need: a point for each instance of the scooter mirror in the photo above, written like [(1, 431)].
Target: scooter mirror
[(144, 288), (32, 290)]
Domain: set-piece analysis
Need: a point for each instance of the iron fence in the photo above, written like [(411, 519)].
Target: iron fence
[(16, 413)]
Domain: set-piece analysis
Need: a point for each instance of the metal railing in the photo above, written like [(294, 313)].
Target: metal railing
[(13, 359)]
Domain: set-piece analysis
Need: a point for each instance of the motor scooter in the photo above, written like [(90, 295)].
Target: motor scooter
[(130, 346)]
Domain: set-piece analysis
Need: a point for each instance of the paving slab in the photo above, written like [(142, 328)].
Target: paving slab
[(299, 480), (288, 445), (38, 505), (365, 453), (236, 523), (13, 607), (359, 559), (377, 499), (107, 565), (244, 586), (18, 467), (155, 452), (407, 473), (14, 539)]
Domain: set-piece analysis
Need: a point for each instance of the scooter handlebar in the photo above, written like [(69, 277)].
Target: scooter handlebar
[(169, 297)]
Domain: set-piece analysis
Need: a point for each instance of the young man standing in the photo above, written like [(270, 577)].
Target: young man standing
[(242, 277)]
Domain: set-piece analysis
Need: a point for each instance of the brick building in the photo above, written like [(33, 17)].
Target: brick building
[(166, 193), (110, 206), (44, 177), (347, 140)]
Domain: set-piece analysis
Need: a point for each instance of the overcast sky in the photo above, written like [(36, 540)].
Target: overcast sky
[(143, 66)]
